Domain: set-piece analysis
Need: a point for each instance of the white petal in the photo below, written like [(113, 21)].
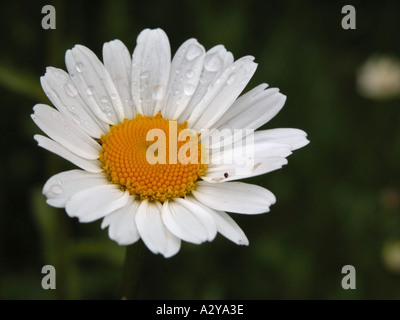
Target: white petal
[(117, 61), (94, 84), (242, 151), (222, 173), (223, 92), (234, 197), (216, 61), (253, 109), (153, 232), (296, 138), (122, 225), (62, 186), (230, 229), (186, 67), (62, 92), (224, 223), (66, 132), (95, 203), (188, 221), (151, 63), (58, 149)]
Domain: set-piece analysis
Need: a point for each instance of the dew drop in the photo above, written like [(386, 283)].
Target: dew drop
[(231, 79), (70, 90), (144, 75), (189, 89), (75, 117), (190, 74), (113, 96), (158, 92), (79, 66), (56, 189), (89, 91), (104, 99), (213, 64), (193, 52)]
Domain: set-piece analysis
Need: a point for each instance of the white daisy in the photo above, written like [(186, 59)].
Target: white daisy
[(104, 112)]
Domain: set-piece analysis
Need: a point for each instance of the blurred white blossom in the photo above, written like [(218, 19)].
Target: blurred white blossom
[(379, 78)]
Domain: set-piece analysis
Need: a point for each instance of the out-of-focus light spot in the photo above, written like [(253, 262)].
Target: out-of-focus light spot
[(391, 255), (379, 78)]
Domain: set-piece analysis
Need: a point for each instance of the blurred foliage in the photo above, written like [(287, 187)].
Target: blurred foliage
[(338, 200)]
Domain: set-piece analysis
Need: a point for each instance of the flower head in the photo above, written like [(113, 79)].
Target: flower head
[(146, 131)]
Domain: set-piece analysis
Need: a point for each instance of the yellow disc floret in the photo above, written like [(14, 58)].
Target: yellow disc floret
[(125, 159)]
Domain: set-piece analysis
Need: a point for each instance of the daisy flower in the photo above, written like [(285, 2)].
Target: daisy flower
[(101, 124)]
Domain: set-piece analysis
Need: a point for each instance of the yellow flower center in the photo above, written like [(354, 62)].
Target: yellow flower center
[(125, 159)]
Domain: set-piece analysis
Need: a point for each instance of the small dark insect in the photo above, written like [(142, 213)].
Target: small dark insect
[(226, 175)]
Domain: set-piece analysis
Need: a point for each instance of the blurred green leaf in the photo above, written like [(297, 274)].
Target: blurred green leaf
[(21, 82)]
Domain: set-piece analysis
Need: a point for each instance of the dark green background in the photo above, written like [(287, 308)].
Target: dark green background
[(337, 199)]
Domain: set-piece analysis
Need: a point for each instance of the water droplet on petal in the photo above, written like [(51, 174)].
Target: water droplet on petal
[(104, 99), (158, 92), (76, 118), (113, 96), (144, 75), (79, 66), (56, 189), (70, 90), (213, 64), (231, 79), (190, 74), (189, 89), (193, 52), (89, 90)]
